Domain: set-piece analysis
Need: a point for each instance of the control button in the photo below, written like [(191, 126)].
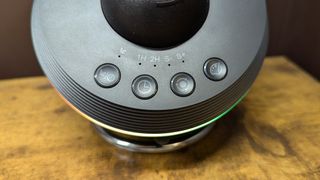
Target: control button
[(107, 75), (145, 87), (182, 84), (215, 69)]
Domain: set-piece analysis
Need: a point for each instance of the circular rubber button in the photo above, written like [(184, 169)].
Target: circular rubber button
[(107, 75), (215, 69), (182, 84), (144, 87)]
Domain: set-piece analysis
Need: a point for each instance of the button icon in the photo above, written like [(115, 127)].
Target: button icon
[(215, 69), (107, 76), (182, 84), (144, 87)]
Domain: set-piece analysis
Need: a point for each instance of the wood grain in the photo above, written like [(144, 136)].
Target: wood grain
[(273, 134)]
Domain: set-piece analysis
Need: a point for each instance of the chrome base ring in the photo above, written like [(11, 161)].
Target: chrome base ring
[(152, 145)]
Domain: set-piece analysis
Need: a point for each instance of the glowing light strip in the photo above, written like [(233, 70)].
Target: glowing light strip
[(147, 134)]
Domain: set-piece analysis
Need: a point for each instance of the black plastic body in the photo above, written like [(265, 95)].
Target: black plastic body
[(156, 23), (72, 38)]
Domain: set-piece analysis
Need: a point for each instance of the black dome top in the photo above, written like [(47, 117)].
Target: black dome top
[(156, 23)]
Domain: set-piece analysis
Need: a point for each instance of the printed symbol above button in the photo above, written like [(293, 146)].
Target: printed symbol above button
[(107, 75), (123, 51), (215, 69), (144, 87)]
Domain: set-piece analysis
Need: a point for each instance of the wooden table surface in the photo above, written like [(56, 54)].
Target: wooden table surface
[(273, 134)]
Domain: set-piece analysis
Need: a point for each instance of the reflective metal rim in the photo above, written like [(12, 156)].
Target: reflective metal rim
[(135, 147)]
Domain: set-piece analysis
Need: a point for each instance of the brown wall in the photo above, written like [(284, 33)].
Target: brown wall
[(16, 53), (294, 30)]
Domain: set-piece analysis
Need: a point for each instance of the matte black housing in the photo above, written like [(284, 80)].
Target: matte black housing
[(156, 23), (72, 38)]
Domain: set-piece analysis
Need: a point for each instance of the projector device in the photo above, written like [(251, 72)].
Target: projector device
[(151, 75)]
